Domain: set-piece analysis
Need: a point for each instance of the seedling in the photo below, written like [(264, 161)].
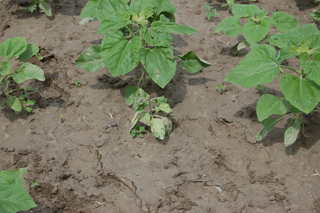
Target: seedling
[(13, 197), (18, 47), (301, 88), (34, 184), (138, 32), (77, 84), (138, 174), (61, 118), (257, 24), (137, 131), (260, 88), (315, 16), (43, 5), (221, 88), (211, 12)]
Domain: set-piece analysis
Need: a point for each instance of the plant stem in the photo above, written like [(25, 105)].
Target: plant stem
[(290, 68), (142, 76)]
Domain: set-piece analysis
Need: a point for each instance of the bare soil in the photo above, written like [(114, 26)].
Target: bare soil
[(211, 162)]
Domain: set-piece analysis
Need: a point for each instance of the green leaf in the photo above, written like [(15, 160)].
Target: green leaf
[(180, 29), (119, 54), (28, 71), (244, 10), (107, 8), (269, 105), (13, 47), (90, 59), (30, 89), (316, 56), (292, 133), (14, 103), (304, 58), (300, 92), (1, 103), (13, 197), (284, 21), (159, 7), (86, 20), (90, 10), (294, 110), (138, 5), (262, 134), (32, 49), (45, 7), (157, 34), (158, 128), (5, 67), (166, 6), (256, 32), (312, 69), (192, 63), (259, 66), (114, 22), (160, 68), (231, 26), (133, 124)]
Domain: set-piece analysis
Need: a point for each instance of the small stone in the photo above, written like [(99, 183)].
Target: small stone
[(101, 140), (183, 2), (54, 190), (272, 198)]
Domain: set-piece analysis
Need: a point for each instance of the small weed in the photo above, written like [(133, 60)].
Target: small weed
[(34, 184), (221, 88), (260, 88), (211, 12), (77, 84), (61, 118), (137, 131), (138, 174), (315, 16)]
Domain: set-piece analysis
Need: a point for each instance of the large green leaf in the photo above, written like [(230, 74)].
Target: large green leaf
[(32, 49), (292, 133), (269, 105), (119, 54), (158, 128), (192, 63), (301, 93), (159, 66), (90, 10), (312, 69), (316, 56), (166, 6), (244, 10), (138, 5), (114, 22), (259, 66), (284, 21), (176, 28), (256, 32), (157, 34), (14, 103), (107, 8), (13, 197), (298, 35), (28, 71), (13, 47), (90, 59), (231, 26), (45, 7)]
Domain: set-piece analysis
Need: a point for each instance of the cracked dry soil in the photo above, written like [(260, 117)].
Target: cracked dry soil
[(84, 165)]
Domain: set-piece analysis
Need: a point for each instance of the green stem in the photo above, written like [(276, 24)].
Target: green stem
[(130, 30), (281, 70), (290, 68)]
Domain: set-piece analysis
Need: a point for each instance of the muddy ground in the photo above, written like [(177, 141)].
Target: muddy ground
[(83, 165)]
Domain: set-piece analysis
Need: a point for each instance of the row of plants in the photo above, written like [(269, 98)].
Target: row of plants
[(300, 86), (138, 36)]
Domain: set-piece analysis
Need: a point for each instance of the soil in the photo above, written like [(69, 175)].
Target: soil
[(211, 161)]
